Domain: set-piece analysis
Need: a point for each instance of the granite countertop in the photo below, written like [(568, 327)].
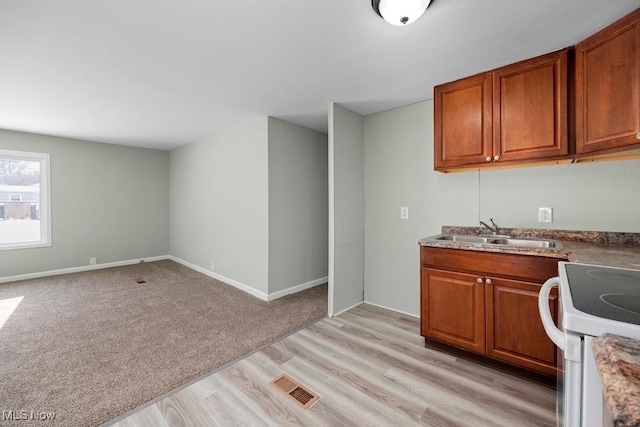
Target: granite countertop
[(618, 360), (586, 247)]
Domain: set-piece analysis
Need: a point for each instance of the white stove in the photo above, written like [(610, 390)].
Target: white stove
[(594, 300)]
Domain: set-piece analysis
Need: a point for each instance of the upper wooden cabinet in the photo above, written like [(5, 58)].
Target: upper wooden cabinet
[(608, 88), (463, 125), (530, 116), (516, 113)]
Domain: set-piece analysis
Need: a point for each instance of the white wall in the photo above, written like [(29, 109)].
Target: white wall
[(600, 196), (346, 209), (107, 201), (298, 206), (219, 204), (254, 202), (399, 172)]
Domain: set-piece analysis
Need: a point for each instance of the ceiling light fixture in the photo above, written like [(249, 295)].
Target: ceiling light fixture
[(400, 12)]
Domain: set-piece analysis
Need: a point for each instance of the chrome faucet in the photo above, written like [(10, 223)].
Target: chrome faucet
[(494, 229)]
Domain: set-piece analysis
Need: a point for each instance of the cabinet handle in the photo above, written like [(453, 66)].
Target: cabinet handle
[(488, 159), (488, 281), (638, 135), (479, 280), (496, 158)]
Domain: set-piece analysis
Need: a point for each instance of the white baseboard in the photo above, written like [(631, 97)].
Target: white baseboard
[(234, 283), (248, 289), (346, 309), (297, 288), (80, 269), (392, 309)]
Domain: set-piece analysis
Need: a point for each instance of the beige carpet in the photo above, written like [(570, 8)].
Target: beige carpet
[(91, 346)]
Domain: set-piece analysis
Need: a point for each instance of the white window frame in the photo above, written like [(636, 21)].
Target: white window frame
[(45, 197)]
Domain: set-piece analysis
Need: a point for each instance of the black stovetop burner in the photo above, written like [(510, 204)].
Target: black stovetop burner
[(606, 292)]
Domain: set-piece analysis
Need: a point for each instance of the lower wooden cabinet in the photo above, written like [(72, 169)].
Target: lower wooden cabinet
[(453, 306), (514, 330), (492, 311)]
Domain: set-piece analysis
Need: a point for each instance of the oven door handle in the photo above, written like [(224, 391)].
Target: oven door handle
[(556, 335)]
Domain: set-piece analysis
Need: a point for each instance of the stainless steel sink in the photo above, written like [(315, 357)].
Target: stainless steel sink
[(496, 236), (529, 243), (501, 240), (467, 239)]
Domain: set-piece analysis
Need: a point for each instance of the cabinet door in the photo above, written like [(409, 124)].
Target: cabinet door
[(462, 132), (452, 309), (530, 116), (514, 330), (608, 88)]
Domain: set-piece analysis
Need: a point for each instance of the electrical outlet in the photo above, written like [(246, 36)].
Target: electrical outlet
[(545, 214), (92, 261), (404, 212)]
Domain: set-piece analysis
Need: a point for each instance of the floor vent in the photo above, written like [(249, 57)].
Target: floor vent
[(140, 281), (295, 391)]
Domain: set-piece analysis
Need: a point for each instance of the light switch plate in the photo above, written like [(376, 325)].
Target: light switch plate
[(404, 212)]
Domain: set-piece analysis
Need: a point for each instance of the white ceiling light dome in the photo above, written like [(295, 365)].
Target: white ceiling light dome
[(400, 12)]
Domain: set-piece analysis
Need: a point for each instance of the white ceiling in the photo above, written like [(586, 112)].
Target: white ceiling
[(159, 73)]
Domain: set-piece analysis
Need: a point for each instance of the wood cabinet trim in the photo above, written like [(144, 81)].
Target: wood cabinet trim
[(612, 29)]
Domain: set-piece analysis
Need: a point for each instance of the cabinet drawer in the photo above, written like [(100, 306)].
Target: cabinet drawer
[(531, 268)]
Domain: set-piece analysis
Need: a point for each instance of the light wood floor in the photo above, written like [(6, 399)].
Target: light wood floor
[(370, 367)]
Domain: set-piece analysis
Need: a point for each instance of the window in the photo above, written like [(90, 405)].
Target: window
[(25, 212)]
